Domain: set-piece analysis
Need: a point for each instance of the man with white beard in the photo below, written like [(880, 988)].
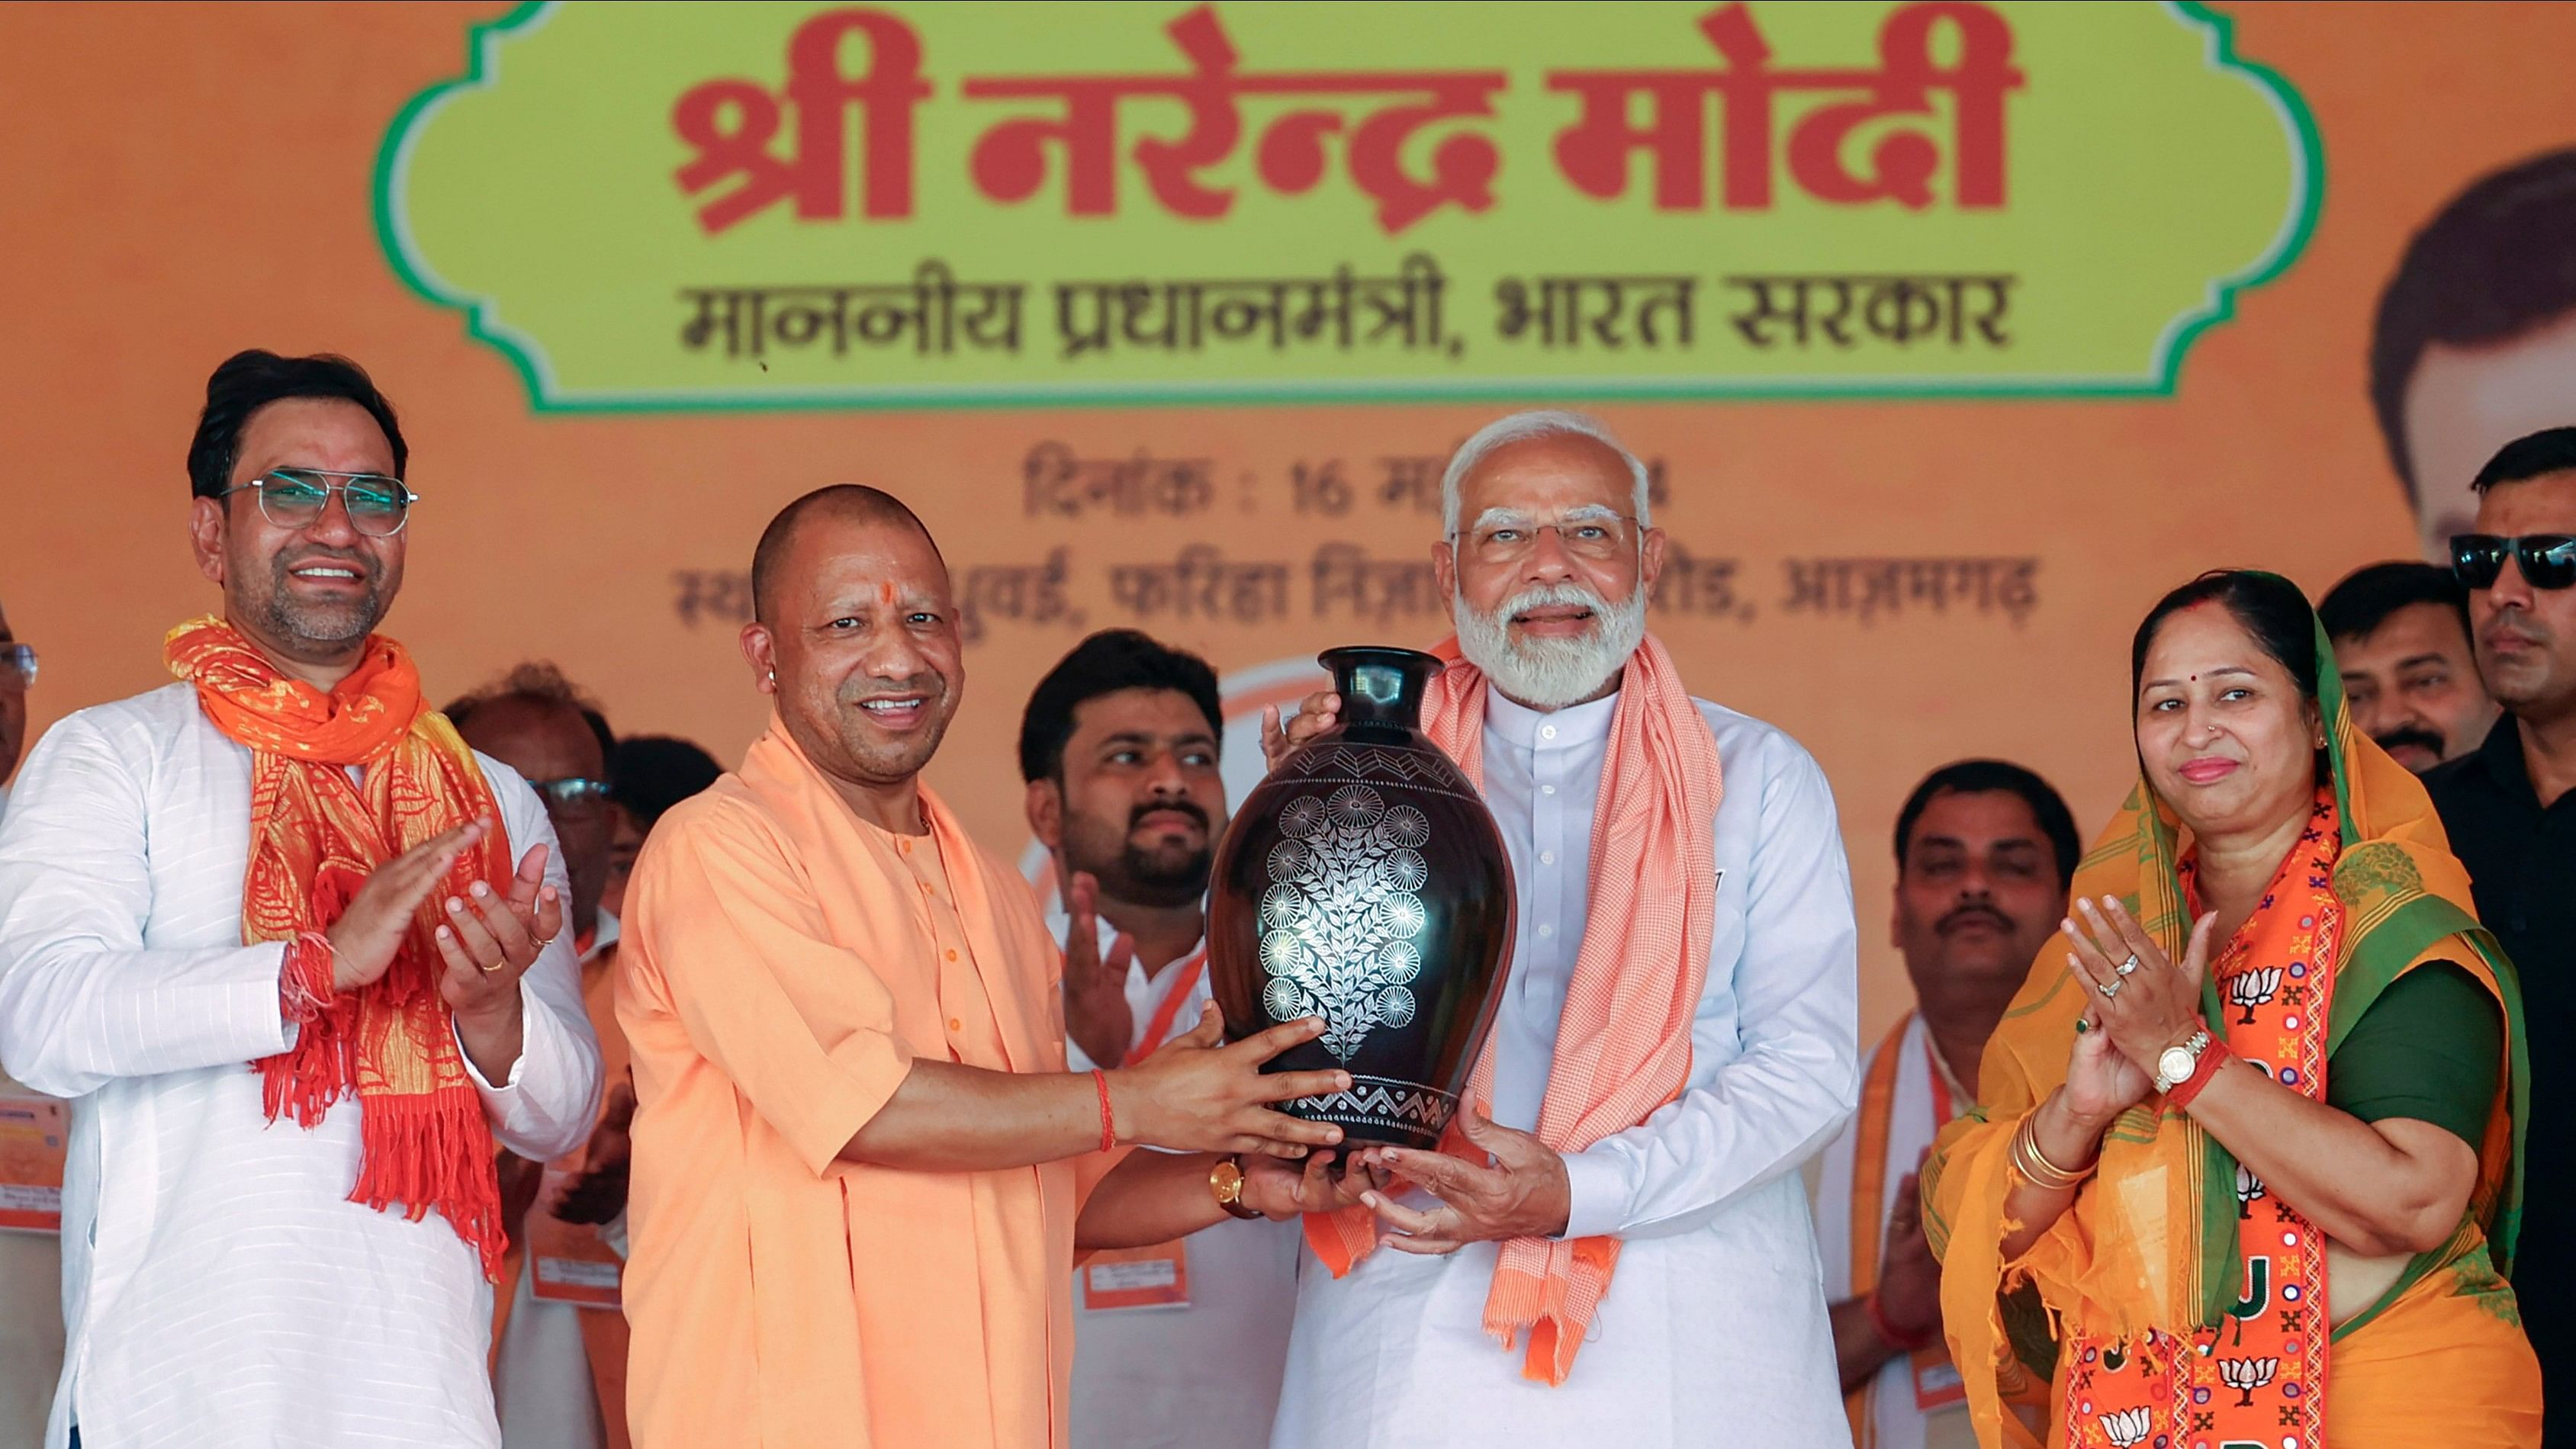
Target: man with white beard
[(1618, 1251)]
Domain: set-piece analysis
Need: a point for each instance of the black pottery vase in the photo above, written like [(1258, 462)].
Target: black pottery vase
[(1364, 882)]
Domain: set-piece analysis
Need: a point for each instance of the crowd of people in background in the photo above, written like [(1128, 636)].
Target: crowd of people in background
[(851, 1070)]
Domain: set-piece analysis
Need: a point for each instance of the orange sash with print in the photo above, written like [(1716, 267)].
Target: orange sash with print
[(2259, 1377), (315, 836)]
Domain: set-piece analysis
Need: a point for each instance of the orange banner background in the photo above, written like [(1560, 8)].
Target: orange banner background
[(195, 180)]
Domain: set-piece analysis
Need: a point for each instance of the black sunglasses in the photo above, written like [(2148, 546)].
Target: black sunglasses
[(2548, 559)]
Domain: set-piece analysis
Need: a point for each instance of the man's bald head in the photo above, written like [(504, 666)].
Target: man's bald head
[(839, 503)]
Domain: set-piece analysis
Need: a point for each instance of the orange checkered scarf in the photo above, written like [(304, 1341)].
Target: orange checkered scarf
[(1623, 1046), (315, 836)]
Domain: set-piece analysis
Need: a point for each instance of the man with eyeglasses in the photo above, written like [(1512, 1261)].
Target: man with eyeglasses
[(550, 1393), (2510, 810), (1616, 1247), (299, 957)]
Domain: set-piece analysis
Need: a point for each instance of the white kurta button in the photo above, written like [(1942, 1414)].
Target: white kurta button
[(1547, 857), (1547, 732), (1547, 930), (1547, 789)]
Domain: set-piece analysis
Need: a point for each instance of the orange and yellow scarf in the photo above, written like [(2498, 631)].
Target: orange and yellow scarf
[(315, 837), (2177, 1301), (1623, 1046)]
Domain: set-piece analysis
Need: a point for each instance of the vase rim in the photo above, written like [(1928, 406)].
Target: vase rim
[(1395, 654)]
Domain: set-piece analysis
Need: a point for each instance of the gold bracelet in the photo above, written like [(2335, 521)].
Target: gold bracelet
[(2034, 1165)]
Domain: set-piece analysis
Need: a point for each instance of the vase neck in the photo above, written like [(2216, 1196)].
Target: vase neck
[(1381, 686)]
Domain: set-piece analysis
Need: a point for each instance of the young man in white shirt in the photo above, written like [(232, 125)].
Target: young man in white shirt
[(1177, 1346), (280, 1219)]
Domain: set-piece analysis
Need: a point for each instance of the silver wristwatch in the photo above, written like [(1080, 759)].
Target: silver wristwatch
[(2175, 1064)]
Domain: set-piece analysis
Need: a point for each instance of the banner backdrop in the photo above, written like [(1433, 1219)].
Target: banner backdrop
[(1953, 332)]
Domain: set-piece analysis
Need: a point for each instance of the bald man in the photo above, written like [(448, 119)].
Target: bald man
[(854, 1182)]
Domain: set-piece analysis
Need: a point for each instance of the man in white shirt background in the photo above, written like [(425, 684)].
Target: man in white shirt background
[(1985, 851), (538, 723), (31, 1261), (278, 1216), (1180, 1344), (1645, 1282)]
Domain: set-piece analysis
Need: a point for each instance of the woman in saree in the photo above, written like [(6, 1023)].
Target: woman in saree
[(2247, 1171)]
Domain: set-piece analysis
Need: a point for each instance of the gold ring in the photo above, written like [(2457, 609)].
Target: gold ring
[(488, 970)]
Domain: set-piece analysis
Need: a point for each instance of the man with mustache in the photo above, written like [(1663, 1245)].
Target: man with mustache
[(853, 1192), (263, 926), (2510, 810), (1176, 1343), (1985, 851), (2401, 642), (1615, 1247)]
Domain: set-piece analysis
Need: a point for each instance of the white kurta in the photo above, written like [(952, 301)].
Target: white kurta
[(1201, 1377), (219, 1288), (31, 1319), (1896, 1423), (1714, 1330)]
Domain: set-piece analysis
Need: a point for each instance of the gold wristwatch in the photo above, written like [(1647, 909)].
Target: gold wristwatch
[(1225, 1180)]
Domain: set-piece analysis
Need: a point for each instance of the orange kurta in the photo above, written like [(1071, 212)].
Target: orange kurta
[(783, 964)]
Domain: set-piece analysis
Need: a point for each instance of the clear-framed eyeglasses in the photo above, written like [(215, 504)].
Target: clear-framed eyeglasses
[(1596, 535), (378, 506), (17, 665)]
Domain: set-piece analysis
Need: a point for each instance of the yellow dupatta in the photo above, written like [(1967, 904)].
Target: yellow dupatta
[(2150, 1243)]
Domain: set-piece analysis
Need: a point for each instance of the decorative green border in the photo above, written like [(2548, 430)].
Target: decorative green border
[(483, 321)]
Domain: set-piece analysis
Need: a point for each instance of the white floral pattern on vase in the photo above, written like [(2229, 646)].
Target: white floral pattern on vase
[(1339, 920)]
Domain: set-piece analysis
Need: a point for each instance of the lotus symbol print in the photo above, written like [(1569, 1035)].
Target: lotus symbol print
[(2248, 1188), (1339, 921), (2250, 989), (2245, 1375), (2125, 1427)]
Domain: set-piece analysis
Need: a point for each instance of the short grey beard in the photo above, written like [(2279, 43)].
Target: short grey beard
[(1552, 673)]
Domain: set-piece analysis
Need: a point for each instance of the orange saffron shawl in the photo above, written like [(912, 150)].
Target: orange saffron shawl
[(315, 837), (1623, 1045)]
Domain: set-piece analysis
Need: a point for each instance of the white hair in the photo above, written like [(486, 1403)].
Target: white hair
[(1521, 427)]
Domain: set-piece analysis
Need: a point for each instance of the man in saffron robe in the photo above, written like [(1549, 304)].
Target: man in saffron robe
[(853, 1190)]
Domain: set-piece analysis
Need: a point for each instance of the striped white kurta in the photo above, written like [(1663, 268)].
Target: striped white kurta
[(1714, 1330), (219, 1289)]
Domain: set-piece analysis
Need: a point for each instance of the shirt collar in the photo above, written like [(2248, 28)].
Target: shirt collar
[(1549, 729), (603, 934)]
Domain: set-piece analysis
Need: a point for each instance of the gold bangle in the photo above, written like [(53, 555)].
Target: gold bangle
[(2034, 1166)]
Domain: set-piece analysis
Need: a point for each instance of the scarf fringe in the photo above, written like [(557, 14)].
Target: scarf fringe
[(416, 1147)]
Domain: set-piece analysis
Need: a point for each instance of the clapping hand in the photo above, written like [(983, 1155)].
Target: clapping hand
[(1096, 1013), (2138, 997)]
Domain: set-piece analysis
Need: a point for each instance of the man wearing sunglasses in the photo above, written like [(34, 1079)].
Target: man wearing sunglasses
[(2510, 810), (299, 957)]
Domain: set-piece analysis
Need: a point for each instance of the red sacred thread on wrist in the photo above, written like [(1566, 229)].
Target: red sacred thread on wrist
[(1906, 1341), (1108, 1123), (2202, 1073), (304, 987)]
